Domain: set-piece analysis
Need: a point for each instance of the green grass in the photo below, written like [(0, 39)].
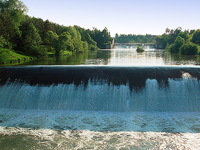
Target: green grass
[(64, 53), (199, 50), (8, 57), (67, 53)]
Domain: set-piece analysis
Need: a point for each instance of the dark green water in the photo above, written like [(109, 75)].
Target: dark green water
[(120, 57)]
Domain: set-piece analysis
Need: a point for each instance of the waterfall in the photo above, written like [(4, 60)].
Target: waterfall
[(116, 89)]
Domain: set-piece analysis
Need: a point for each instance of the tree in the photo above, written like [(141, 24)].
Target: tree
[(31, 41), (189, 48), (175, 48), (86, 37), (85, 46), (101, 37), (30, 35), (162, 40), (140, 49), (196, 37), (11, 15), (13, 5), (49, 40), (92, 45), (63, 43), (185, 35), (4, 43), (167, 31)]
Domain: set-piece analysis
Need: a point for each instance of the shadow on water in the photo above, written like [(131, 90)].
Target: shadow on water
[(100, 57), (178, 59), (118, 57), (112, 98)]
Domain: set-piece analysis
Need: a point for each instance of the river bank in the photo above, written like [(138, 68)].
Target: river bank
[(9, 57)]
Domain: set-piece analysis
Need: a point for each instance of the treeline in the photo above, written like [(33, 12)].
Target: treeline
[(132, 38), (36, 37), (185, 42)]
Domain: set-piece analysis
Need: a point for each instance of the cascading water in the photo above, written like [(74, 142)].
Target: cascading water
[(123, 89), (124, 107)]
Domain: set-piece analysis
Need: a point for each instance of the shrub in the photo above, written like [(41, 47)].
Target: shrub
[(4, 43), (175, 48), (196, 37), (92, 47), (38, 51), (189, 48), (139, 49)]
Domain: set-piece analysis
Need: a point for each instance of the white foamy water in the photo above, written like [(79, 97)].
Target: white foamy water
[(102, 130), (178, 95), (153, 115)]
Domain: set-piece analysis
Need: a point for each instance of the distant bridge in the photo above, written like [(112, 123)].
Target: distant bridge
[(135, 45)]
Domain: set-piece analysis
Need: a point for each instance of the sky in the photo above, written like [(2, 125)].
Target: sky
[(120, 16)]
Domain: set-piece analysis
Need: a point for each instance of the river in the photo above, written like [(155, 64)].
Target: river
[(106, 99), (120, 57)]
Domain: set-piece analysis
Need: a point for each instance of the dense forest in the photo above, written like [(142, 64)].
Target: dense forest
[(37, 37), (185, 42), (132, 38)]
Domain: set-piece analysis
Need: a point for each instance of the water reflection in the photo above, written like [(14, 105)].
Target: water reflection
[(121, 57), (178, 59)]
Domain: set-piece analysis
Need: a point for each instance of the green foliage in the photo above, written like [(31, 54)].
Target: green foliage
[(30, 36), (9, 57), (177, 41), (11, 15), (170, 36), (85, 45), (196, 37), (140, 49), (92, 47), (189, 48), (185, 35), (102, 38), (36, 37), (38, 51), (49, 40), (85, 36), (175, 48), (4, 43), (63, 43), (12, 5), (89, 40), (162, 40)]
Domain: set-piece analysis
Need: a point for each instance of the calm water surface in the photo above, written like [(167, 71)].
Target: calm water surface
[(120, 57)]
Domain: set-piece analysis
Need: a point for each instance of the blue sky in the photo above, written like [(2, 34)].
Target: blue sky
[(120, 16)]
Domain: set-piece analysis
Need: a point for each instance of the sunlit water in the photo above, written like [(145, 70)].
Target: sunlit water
[(121, 57), (100, 115)]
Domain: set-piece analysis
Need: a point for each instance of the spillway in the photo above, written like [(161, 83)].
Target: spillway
[(101, 88)]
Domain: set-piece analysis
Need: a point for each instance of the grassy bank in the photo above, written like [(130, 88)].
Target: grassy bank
[(64, 53), (8, 57), (199, 50)]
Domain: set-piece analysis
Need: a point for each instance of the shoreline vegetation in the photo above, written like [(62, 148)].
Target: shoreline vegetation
[(23, 38), (140, 49), (177, 41), (8, 57)]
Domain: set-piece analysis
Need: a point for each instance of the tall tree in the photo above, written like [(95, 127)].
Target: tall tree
[(196, 37), (49, 40), (30, 36), (11, 15), (63, 43)]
